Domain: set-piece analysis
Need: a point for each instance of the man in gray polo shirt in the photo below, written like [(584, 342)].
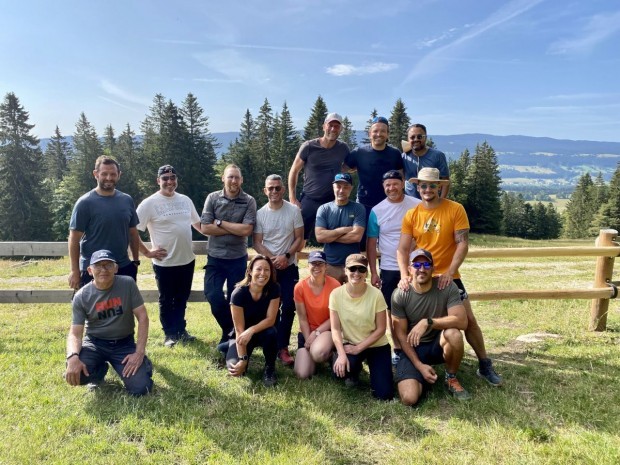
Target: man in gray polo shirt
[(228, 219)]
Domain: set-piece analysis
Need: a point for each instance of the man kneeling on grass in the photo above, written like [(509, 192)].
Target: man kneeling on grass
[(428, 323), (106, 307)]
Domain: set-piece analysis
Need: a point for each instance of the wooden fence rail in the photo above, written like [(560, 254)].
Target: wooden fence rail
[(604, 289)]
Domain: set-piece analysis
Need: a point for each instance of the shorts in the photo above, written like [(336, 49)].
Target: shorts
[(430, 353), (461, 287)]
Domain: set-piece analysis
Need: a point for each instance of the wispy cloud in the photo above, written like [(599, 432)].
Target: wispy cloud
[(235, 66), (436, 60), (115, 91), (330, 51), (118, 104), (370, 68), (177, 41), (584, 96), (598, 29)]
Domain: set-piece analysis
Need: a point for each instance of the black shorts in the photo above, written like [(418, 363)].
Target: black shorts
[(461, 287), (429, 353)]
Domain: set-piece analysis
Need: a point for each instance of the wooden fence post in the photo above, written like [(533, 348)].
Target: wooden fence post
[(602, 276)]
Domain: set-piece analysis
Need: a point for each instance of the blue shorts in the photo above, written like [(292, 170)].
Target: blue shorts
[(430, 353)]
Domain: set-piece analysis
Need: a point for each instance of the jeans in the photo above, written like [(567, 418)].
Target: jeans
[(389, 282), (129, 270), (220, 271), (287, 279), (379, 361), (96, 353), (265, 339), (309, 208), (174, 284)]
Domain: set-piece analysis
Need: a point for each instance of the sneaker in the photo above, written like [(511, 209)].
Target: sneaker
[(269, 376), (395, 358), (170, 341), (186, 337), (90, 387), (454, 387), (285, 357), (486, 371)]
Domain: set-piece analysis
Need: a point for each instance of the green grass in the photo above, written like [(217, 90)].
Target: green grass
[(561, 403)]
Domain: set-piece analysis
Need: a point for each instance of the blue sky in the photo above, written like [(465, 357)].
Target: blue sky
[(528, 67)]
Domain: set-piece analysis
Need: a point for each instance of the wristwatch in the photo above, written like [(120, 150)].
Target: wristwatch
[(71, 355), (218, 223), (429, 321), (243, 357), (136, 262), (287, 255)]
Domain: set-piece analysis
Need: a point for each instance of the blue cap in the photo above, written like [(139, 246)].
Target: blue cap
[(381, 119), (101, 255), (317, 256), (343, 177)]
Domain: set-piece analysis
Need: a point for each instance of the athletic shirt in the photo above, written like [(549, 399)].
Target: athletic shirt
[(320, 167), (317, 306)]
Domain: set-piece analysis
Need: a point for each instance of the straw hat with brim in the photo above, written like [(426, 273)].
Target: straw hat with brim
[(428, 175)]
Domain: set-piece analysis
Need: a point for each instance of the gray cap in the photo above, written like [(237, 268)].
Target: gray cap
[(333, 117), (421, 253)]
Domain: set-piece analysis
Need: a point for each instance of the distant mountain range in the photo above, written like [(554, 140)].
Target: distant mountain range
[(523, 160)]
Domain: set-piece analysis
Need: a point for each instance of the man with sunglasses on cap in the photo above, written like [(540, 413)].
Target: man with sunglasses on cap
[(441, 226), (428, 322), (340, 225), (321, 159), (106, 309), (370, 162), (169, 217), (384, 226), (417, 155), (278, 234)]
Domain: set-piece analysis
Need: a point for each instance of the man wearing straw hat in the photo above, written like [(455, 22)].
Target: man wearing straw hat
[(441, 226)]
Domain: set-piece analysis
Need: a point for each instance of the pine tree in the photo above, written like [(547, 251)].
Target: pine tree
[(458, 174), (199, 176), (286, 142), (348, 134), (608, 214), (399, 122), (240, 153), (57, 153), (580, 210), (512, 214), (373, 114), (152, 149), (109, 142), (24, 214), (482, 185), (261, 145), (554, 222), (128, 154), (314, 126)]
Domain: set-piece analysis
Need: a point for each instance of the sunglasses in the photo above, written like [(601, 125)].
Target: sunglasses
[(172, 177), (359, 268), (417, 136), (426, 186), (418, 265), (274, 188)]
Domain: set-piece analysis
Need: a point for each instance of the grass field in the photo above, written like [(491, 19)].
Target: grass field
[(560, 404)]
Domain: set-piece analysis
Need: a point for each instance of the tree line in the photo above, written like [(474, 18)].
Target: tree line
[(41, 188)]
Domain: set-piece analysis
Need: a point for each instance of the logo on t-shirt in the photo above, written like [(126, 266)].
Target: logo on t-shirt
[(432, 226), (109, 308)]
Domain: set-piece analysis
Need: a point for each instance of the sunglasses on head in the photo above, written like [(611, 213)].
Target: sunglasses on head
[(359, 268), (274, 188), (172, 177), (418, 265)]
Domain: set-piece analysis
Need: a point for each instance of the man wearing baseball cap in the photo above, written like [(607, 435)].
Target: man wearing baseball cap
[(441, 226), (340, 225), (428, 323), (321, 159), (106, 308), (169, 217)]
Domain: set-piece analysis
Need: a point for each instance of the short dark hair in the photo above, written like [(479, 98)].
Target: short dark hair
[(417, 125), (105, 160)]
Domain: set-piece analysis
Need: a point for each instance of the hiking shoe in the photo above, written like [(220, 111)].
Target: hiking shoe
[(486, 371), (90, 387), (170, 341), (186, 337), (269, 376), (285, 357), (454, 387)]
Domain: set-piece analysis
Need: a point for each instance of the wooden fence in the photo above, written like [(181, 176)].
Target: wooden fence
[(605, 249)]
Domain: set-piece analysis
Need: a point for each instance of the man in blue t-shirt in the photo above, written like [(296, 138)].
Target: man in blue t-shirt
[(419, 156), (371, 161), (340, 225), (103, 218)]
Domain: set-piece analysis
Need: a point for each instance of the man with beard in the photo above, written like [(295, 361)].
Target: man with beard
[(104, 218), (321, 159)]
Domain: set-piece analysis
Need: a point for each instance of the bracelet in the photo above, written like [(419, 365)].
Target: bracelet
[(71, 355)]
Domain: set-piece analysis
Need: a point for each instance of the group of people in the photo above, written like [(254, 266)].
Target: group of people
[(344, 306)]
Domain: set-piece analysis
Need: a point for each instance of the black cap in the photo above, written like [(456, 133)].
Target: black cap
[(393, 174), (166, 169)]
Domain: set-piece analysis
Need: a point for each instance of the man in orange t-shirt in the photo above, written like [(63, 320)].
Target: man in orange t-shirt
[(441, 226)]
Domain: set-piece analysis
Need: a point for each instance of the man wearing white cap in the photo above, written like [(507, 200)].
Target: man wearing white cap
[(321, 159), (441, 226)]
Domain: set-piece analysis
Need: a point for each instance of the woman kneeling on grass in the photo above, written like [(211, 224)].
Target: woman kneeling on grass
[(314, 341), (357, 313), (254, 305)]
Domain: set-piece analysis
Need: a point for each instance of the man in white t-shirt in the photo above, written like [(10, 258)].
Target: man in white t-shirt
[(384, 226), (279, 235), (169, 217)]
